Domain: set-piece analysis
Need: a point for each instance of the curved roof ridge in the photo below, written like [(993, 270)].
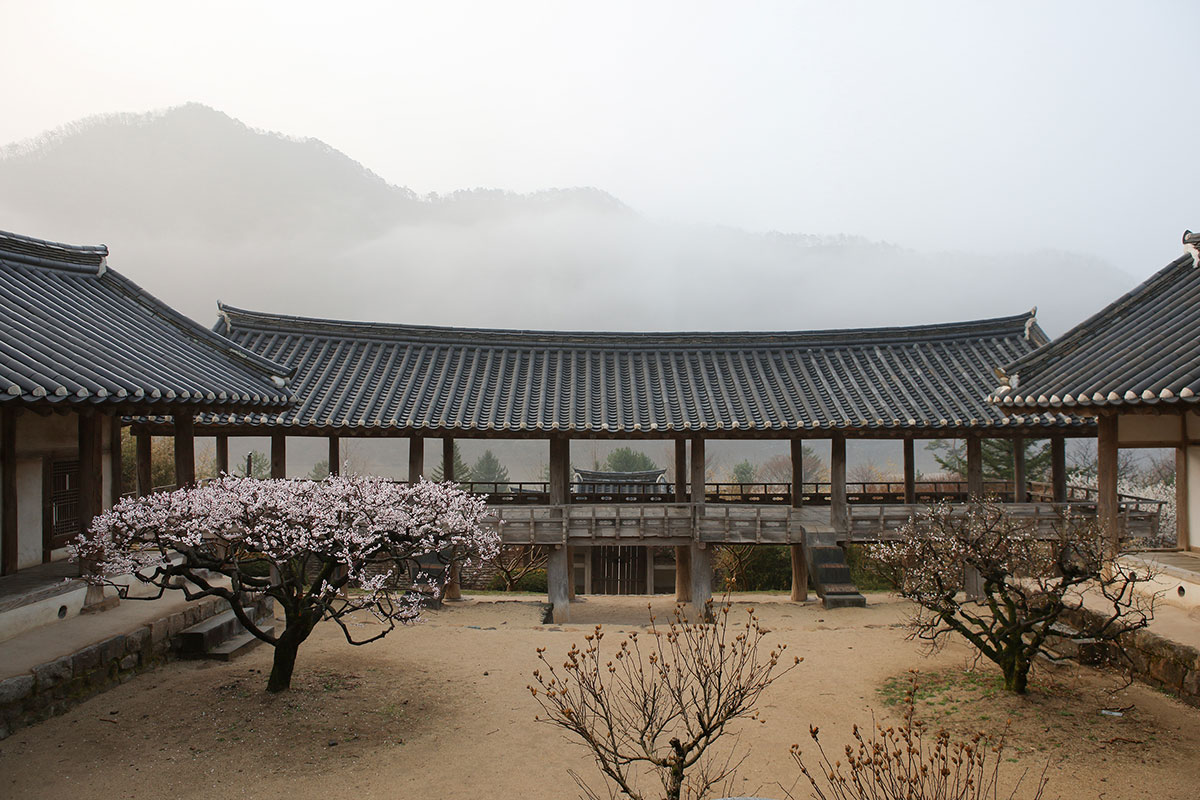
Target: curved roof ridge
[(232, 318), (54, 255)]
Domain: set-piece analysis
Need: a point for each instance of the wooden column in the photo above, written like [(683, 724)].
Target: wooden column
[(142, 442), (222, 454), (910, 471), (278, 455), (91, 491), (799, 557), (699, 557), (1020, 488), (683, 575), (839, 508), (9, 543), (115, 487), (416, 458), (185, 450), (1106, 480), (974, 467), (448, 459), (1183, 538), (1058, 468), (335, 455), (559, 566)]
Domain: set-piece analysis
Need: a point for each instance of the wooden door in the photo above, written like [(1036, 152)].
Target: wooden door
[(619, 570)]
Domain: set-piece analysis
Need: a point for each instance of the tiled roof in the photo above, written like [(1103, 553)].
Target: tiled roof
[(364, 377), (1143, 349), (74, 331)]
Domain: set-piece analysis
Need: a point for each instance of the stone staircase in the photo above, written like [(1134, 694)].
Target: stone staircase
[(223, 638), (828, 571)]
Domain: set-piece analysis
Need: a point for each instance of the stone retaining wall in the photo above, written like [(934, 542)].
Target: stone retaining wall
[(1155, 660), (56, 686)]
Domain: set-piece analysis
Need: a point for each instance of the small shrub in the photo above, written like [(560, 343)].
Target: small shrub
[(534, 581), (865, 572)]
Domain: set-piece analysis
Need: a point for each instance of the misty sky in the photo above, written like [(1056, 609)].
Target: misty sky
[(987, 127)]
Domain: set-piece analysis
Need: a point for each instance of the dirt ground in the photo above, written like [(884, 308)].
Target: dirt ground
[(441, 710)]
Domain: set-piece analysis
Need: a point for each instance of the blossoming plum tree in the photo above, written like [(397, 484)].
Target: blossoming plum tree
[(305, 544)]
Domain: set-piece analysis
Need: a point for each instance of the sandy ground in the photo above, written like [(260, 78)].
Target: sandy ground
[(440, 710)]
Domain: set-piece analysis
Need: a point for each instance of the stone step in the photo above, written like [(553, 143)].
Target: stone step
[(197, 640), (827, 555), (237, 645), (847, 600), (833, 573)]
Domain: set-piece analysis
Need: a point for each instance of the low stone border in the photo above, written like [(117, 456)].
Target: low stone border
[(1155, 660), (56, 686)]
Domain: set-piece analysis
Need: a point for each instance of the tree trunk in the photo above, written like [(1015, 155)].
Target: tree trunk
[(1016, 676), (285, 662)]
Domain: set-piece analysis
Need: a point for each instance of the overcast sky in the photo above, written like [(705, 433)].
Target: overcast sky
[(1007, 126)]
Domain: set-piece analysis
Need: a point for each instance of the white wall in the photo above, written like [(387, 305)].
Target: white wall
[(1193, 495)]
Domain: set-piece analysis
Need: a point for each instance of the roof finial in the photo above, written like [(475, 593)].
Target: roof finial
[(1191, 246), (1029, 323)]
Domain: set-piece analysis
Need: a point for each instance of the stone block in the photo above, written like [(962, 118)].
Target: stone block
[(138, 640), (52, 673), (175, 623), (1191, 684), (15, 690), (1168, 672), (87, 659), (112, 649), (130, 661)]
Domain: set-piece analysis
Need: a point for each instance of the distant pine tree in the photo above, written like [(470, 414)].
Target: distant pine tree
[(320, 470), (625, 459), (951, 455), (462, 471), (488, 469)]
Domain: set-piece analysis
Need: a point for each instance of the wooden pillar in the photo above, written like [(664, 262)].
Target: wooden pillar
[(222, 454), (335, 455), (1183, 538), (910, 471), (560, 465), (701, 569), (91, 491), (448, 460), (185, 450), (1020, 487), (1106, 480), (115, 487), (1058, 468), (558, 582), (683, 555), (799, 557), (560, 564), (649, 570), (699, 566), (9, 543), (278, 454), (142, 442), (416, 458), (974, 467), (839, 507)]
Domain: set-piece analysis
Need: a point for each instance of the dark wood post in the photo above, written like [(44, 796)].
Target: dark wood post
[(700, 557), (278, 454), (115, 485), (683, 575), (839, 507), (799, 557), (910, 471), (974, 467), (91, 492), (453, 586), (681, 470), (448, 460), (1107, 505), (222, 454), (185, 450), (144, 485), (559, 566), (416, 458), (9, 544), (1020, 489), (1058, 468), (335, 455), (1183, 532)]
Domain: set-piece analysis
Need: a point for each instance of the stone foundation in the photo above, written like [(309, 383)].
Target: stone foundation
[(54, 687)]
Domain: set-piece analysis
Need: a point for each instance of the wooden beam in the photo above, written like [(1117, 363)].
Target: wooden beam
[(335, 455), (683, 573), (448, 459), (698, 474), (9, 543), (278, 454), (1183, 533), (975, 467), (558, 584), (1020, 487), (416, 458), (115, 486), (222, 454), (681, 470), (1058, 468), (839, 508), (1106, 480), (185, 450), (910, 470), (560, 465), (142, 455), (798, 556)]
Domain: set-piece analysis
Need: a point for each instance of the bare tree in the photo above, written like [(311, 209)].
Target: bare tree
[(513, 563), (1026, 580), (657, 702)]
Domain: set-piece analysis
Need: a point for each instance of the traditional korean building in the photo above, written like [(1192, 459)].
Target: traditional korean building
[(80, 347), (390, 380), (1135, 367)]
